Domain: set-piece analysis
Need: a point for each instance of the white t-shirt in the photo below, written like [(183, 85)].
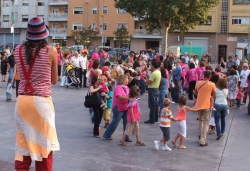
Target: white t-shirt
[(221, 96), (75, 61), (244, 75), (83, 60), (196, 62)]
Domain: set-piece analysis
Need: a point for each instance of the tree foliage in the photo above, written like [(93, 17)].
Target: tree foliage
[(122, 36), (85, 36), (168, 15)]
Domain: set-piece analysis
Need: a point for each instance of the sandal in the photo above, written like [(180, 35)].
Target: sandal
[(182, 147), (123, 143), (97, 136), (140, 143), (173, 143), (129, 140)]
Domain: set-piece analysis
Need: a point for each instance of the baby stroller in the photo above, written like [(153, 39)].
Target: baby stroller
[(72, 76)]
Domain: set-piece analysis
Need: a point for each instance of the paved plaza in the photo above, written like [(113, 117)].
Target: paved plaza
[(80, 151)]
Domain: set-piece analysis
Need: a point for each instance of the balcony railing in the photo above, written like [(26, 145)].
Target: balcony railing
[(58, 16), (142, 33), (58, 32), (58, 2)]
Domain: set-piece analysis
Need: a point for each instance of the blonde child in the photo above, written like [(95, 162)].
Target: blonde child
[(239, 96), (133, 117), (107, 111), (104, 92), (181, 121), (165, 123)]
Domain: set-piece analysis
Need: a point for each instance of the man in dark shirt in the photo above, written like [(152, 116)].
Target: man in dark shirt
[(124, 55)]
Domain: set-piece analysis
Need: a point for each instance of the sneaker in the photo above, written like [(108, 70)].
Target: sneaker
[(173, 102), (240, 108), (157, 144), (138, 98), (166, 148), (145, 94)]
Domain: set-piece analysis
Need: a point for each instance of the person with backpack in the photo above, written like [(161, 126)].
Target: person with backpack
[(232, 86)]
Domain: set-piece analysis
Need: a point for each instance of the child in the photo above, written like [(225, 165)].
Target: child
[(133, 117), (165, 120), (232, 85), (107, 111), (181, 121), (105, 90), (212, 127), (239, 97), (9, 90)]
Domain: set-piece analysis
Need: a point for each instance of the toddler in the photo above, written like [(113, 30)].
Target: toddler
[(181, 121), (212, 127), (165, 120), (9, 91), (107, 111), (239, 97), (133, 117), (104, 90)]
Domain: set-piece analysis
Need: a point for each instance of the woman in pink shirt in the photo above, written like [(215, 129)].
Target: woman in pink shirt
[(191, 78), (200, 71), (119, 107), (184, 68), (59, 59)]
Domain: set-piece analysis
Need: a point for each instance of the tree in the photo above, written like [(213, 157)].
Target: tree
[(122, 36), (85, 36), (168, 15)]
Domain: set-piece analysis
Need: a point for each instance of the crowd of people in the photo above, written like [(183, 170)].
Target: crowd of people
[(166, 80)]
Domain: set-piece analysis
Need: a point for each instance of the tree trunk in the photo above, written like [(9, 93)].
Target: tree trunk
[(164, 44)]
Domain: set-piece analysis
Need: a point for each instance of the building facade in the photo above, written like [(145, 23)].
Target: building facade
[(19, 12)]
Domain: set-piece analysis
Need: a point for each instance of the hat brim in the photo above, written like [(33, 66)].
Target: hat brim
[(38, 37)]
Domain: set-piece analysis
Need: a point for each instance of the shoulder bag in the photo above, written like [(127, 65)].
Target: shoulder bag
[(92, 100)]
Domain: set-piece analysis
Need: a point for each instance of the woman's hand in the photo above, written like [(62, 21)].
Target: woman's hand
[(100, 86)]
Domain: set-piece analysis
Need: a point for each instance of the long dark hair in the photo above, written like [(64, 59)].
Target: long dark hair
[(32, 44), (163, 73)]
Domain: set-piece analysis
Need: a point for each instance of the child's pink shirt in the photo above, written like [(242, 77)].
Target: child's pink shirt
[(239, 95), (184, 69), (120, 90), (136, 111), (143, 75), (104, 88), (200, 72), (191, 74)]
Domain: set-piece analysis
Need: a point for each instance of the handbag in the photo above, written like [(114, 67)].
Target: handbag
[(92, 100)]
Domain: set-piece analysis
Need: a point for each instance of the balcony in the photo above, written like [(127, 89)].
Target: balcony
[(58, 17), (60, 32), (58, 2), (142, 33)]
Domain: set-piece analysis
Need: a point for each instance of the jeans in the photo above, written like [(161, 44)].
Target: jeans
[(175, 91), (248, 91), (219, 116), (11, 72), (115, 121), (8, 96), (238, 102), (143, 87), (162, 96), (153, 94)]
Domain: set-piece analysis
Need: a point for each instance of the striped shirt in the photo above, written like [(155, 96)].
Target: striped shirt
[(40, 77), (165, 119)]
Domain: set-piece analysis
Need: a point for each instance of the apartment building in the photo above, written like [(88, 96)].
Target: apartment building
[(226, 33), (22, 10)]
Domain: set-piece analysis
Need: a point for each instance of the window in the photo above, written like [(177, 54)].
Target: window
[(93, 26), (105, 26), (40, 3), (121, 11), (94, 10), (25, 3), (42, 16), (25, 18), (6, 18), (236, 21), (122, 25), (105, 10), (77, 26), (78, 10), (235, 2), (208, 22), (66, 10)]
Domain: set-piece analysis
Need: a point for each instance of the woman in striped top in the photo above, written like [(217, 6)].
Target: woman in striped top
[(36, 136)]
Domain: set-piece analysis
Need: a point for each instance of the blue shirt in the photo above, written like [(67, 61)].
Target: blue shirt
[(110, 100), (177, 73)]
